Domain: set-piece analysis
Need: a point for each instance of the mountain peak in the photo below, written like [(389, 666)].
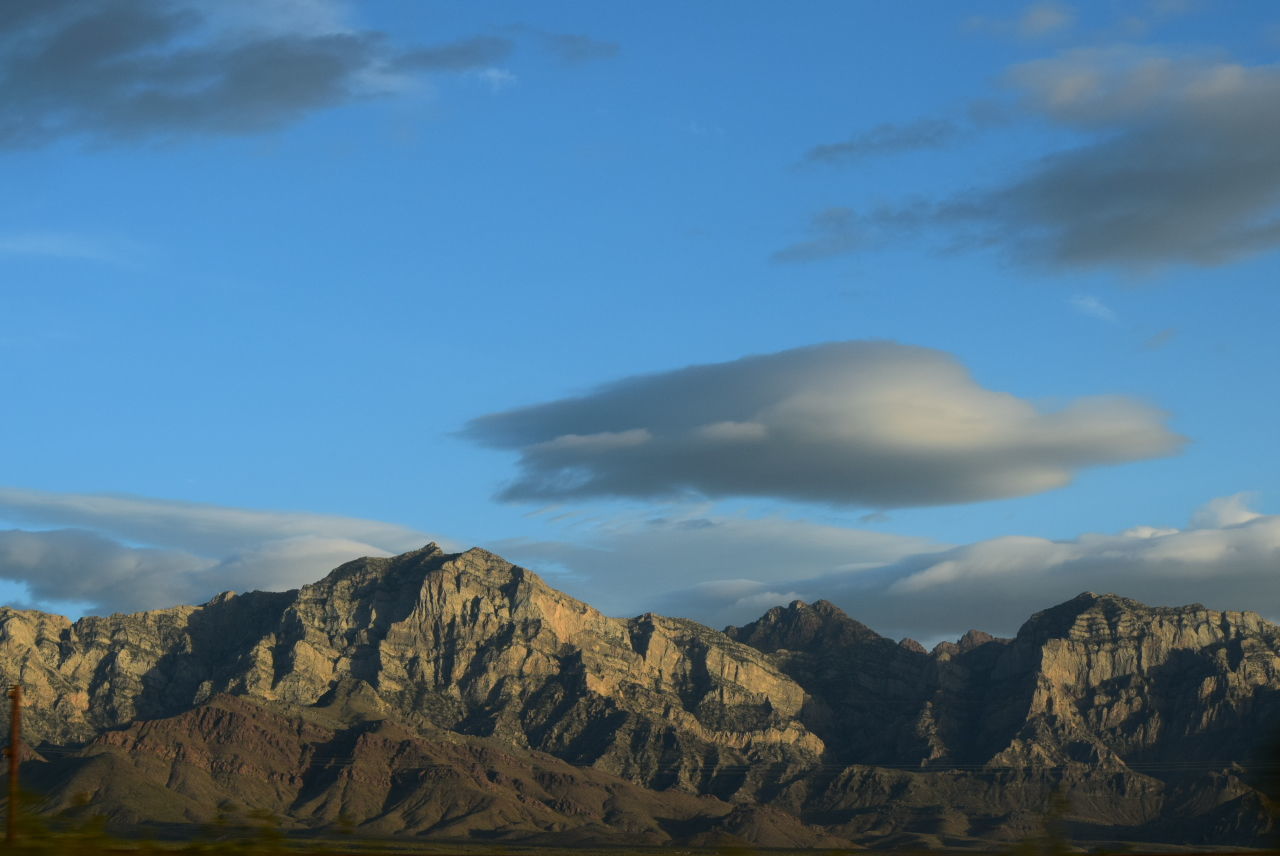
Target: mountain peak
[(378, 566), (469, 650), (1089, 614), (801, 627), (431, 548), (912, 645), (478, 560)]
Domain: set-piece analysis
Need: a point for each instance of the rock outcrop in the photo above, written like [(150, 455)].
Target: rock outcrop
[(236, 761), (804, 727), (466, 642)]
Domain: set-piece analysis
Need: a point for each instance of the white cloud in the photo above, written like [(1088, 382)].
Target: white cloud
[(1230, 560), (1036, 21), (713, 567), (734, 564), (207, 529), (1224, 511), (849, 423), (1096, 87), (497, 79), (190, 551), (1092, 306), (727, 570), (1042, 19), (77, 565)]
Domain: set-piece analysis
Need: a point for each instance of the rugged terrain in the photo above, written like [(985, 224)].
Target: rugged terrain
[(460, 696)]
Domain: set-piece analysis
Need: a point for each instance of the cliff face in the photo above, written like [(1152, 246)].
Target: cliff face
[(467, 642), (1142, 715), (1100, 676), (1153, 686)]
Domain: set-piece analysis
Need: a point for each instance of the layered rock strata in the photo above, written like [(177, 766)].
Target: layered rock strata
[(804, 726)]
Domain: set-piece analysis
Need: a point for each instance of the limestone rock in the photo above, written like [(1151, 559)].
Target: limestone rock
[(803, 726), (467, 642)]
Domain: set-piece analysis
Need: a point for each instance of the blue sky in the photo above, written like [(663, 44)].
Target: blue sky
[(943, 316)]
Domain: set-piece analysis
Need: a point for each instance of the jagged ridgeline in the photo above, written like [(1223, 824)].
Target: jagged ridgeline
[(459, 696)]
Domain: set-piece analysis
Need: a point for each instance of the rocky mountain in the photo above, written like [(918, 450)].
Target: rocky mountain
[(460, 696)]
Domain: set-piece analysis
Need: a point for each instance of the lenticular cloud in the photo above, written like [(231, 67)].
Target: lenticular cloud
[(847, 423)]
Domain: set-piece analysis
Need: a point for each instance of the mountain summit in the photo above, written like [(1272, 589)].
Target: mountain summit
[(458, 695)]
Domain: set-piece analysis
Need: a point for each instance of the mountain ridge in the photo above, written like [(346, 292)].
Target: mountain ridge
[(1091, 696)]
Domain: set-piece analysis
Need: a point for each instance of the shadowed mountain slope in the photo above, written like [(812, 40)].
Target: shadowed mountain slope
[(804, 726)]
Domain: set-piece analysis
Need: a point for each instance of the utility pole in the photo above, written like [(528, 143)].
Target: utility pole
[(15, 752)]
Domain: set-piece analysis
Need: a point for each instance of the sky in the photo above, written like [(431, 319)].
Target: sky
[(944, 313)]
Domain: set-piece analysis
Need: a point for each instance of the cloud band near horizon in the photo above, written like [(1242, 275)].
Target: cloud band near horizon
[(124, 553), (712, 567)]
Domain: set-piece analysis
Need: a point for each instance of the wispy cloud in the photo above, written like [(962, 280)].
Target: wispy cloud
[(455, 56), (1174, 166), (166, 69), (1089, 305), (497, 79), (571, 48), (1159, 339), (886, 139), (1180, 172), (69, 246), (1036, 21), (1155, 12), (834, 232), (189, 525), (575, 47)]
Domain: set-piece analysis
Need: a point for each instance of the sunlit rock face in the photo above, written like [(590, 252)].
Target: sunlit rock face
[(1146, 684), (1150, 685), (467, 642), (1145, 718)]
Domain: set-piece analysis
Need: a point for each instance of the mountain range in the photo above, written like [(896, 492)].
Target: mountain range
[(458, 696)]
